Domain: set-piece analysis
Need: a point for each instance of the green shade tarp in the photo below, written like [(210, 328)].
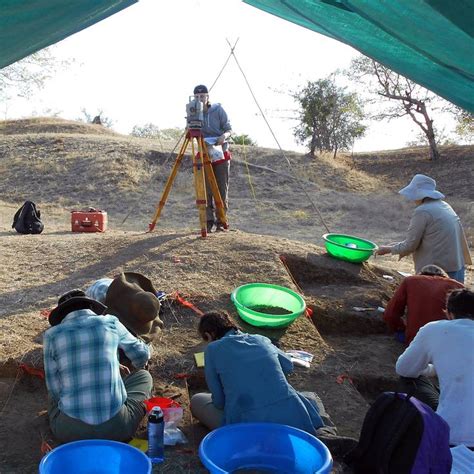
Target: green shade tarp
[(27, 26), (428, 41)]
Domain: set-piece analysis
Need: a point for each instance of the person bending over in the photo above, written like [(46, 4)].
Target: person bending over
[(87, 396), (245, 374), (445, 349), (435, 234), (423, 297)]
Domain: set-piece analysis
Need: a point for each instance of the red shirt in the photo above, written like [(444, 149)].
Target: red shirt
[(424, 298)]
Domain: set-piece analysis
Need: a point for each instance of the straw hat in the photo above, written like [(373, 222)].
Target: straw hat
[(421, 187)]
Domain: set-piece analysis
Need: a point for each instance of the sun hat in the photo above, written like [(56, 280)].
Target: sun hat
[(201, 89), (132, 298), (421, 187), (72, 301)]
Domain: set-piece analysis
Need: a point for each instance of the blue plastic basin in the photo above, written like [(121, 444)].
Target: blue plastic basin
[(267, 447), (95, 456)]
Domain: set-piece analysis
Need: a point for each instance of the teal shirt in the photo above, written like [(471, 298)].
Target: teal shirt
[(246, 376)]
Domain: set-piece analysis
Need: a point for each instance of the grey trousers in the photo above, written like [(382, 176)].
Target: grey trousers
[(423, 388), (204, 410), (221, 172), (120, 427)]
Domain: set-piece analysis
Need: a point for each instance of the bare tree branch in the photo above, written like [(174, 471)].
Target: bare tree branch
[(411, 97)]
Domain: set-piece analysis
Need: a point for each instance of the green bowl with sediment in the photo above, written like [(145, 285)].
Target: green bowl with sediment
[(267, 305), (349, 248)]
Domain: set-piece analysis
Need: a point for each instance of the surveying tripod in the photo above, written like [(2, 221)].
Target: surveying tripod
[(202, 168)]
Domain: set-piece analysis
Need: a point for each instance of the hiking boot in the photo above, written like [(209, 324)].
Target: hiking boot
[(210, 225), (339, 446), (220, 227)]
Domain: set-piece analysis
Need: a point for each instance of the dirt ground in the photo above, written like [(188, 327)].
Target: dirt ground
[(275, 237)]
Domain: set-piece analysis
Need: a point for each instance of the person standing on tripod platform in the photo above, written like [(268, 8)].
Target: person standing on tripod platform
[(216, 130)]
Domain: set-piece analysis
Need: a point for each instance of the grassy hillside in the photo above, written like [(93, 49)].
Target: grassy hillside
[(275, 237), (64, 165)]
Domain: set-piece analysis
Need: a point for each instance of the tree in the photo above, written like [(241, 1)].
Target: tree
[(330, 118), (243, 139), (150, 130), (442, 139), (407, 97), (98, 119), (172, 134), (464, 124), (24, 77)]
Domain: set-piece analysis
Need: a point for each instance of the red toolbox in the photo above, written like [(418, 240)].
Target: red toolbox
[(91, 220)]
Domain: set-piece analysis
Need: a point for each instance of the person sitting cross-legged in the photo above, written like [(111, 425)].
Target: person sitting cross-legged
[(87, 396), (246, 377), (423, 297), (445, 349)]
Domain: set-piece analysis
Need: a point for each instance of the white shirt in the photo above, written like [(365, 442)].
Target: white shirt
[(449, 346)]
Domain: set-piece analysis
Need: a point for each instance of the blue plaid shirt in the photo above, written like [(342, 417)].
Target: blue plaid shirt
[(82, 368), (98, 290)]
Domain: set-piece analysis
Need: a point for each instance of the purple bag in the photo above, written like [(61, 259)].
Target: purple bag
[(401, 435)]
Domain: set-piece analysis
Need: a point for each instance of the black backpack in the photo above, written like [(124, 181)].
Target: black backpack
[(27, 219), (401, 435)]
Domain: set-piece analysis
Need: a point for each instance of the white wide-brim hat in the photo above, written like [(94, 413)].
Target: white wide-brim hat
[(421, 187)]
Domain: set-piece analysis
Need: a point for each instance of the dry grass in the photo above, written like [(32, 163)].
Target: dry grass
[(68, 166), (41, 125), (63, 165)]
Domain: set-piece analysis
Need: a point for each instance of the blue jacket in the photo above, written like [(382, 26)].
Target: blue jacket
[(246, 376)]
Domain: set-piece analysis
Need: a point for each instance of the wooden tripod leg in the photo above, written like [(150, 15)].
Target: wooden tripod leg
[(168, 185), (200, 185), (211, 179)]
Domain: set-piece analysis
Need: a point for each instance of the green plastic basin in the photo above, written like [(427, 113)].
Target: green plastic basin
[(264, 295), (349, 248)]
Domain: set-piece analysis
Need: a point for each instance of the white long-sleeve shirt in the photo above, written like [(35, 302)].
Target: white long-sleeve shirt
[(449, 346)]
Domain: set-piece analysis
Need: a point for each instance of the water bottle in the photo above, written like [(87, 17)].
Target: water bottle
[(156, 429)]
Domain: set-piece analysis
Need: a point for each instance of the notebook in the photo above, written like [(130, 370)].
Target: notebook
[(199, 359)]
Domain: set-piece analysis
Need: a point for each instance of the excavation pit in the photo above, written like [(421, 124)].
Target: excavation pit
[(343, 297), (371, 387)]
